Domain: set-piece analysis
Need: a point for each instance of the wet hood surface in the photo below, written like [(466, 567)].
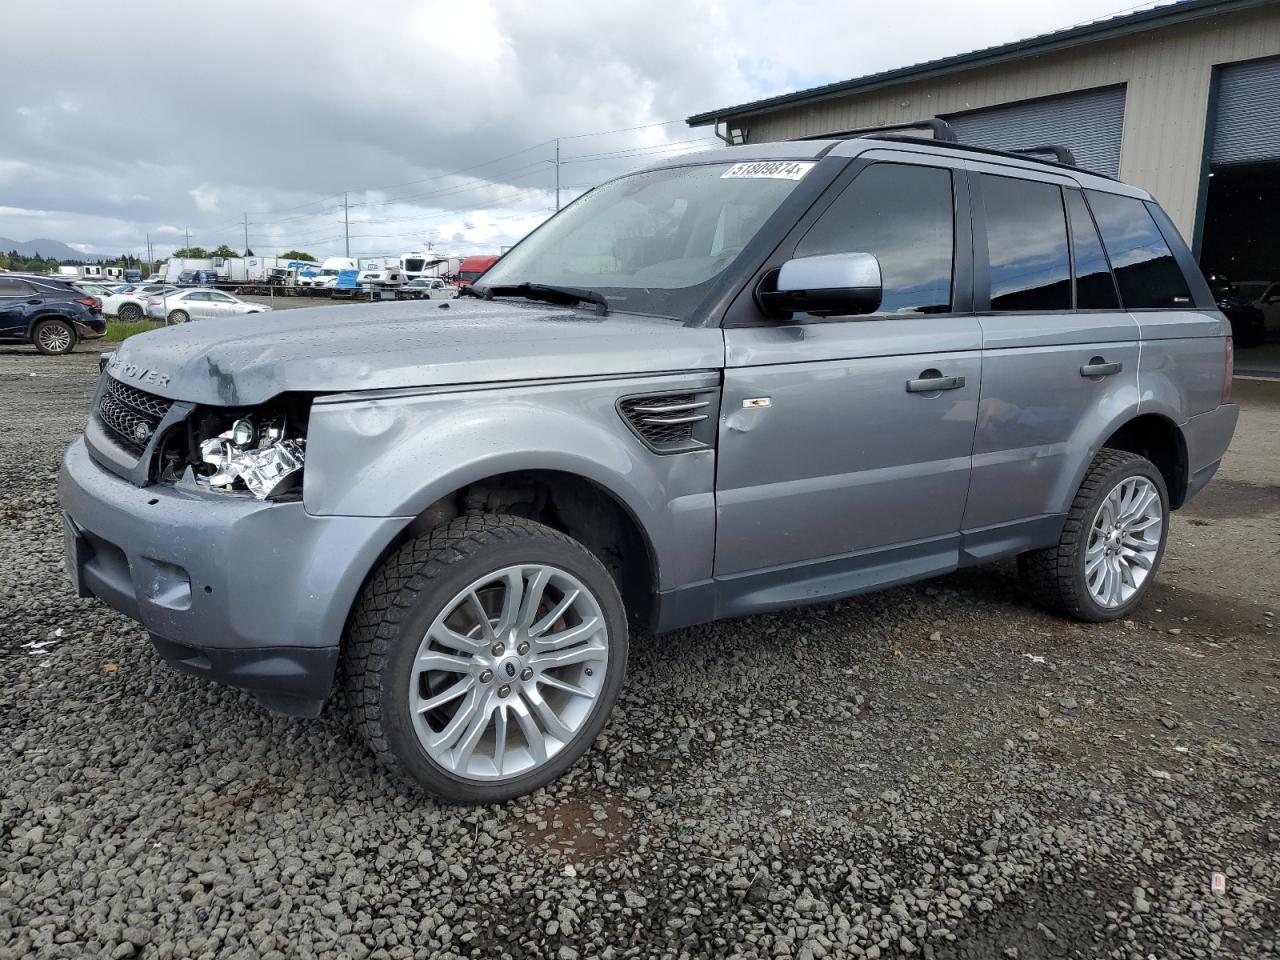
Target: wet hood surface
[(241, 361)]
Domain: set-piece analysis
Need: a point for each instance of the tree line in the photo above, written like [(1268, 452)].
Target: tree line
[(224, 251), (20, 263)]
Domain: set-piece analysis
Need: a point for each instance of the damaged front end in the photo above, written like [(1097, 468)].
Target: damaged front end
[(260, 451)]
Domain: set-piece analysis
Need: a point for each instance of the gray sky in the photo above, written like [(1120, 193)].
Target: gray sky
[(434, 116)]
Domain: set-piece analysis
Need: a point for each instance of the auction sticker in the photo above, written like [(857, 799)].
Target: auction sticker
[(768, 170)]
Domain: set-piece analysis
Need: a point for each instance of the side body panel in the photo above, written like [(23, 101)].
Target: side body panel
[(1183, 361), (14, 310), (395, 455), (843, 459), (1040, 419)]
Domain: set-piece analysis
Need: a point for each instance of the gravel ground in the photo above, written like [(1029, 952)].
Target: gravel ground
[(933, 771)]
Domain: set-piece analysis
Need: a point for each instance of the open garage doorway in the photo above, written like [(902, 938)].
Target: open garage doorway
[(1240, 253), (1239, 244)]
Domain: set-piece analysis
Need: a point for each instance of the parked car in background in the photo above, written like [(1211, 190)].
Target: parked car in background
[(132, 303), (1247, 324), (184, 305), (89, 288), (197, 278), (1265, 295), (48, 312), (427, 288)]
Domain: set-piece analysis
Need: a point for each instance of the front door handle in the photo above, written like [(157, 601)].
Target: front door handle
[(931, 381), (1097, 367)]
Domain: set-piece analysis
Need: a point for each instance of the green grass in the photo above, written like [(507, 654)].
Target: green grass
[(118, 330)]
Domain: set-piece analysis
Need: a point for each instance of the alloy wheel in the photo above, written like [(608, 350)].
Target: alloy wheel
[(509, 672), (1124, 541), (55, 338)]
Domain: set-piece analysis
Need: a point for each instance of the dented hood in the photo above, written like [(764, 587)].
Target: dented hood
[(242, 361)]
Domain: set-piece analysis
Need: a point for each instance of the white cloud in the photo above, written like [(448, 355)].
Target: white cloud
[(426, 113), (206, 198)]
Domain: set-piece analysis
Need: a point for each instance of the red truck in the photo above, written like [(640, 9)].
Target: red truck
[(471, 267)]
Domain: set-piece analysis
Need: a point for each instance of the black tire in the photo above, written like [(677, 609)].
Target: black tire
[(1055, 576), (403, 598), (129, 312), (54, 337), (179, 316)]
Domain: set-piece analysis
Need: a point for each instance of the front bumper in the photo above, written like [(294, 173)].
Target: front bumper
[(250, 593)]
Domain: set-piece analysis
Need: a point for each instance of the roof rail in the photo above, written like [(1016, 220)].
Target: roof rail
[(945, 135), (1060, 153), (941, 131)]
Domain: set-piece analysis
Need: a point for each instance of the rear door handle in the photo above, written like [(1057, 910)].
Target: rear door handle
[(932, 382), (1097, 367)]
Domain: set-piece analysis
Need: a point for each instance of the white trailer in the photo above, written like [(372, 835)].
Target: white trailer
[(428, 263), (239, 270)]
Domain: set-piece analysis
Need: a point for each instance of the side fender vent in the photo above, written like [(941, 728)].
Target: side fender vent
[(672, 422)]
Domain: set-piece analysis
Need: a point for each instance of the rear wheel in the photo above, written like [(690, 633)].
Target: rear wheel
[(179, 316), (1111, 545), (484, 657), (54, 337), (129, 312)]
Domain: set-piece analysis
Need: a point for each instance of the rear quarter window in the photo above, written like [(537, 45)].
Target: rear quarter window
[(1144, 266)]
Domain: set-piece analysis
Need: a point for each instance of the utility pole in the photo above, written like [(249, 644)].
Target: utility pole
[(557, 174), (150, 267), (187, 233), (246, 234), (346, 223)]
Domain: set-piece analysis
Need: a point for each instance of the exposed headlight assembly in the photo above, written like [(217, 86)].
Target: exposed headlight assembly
[(260, 457)]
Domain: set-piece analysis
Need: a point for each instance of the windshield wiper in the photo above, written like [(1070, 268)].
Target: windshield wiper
[(551, 294)]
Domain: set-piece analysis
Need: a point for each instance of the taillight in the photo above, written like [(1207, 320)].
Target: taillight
[(1228, 369), (90, 302)]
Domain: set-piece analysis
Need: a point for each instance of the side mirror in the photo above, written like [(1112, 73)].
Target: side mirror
[(830, 285)]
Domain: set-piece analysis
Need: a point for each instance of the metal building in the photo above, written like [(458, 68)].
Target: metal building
[(1183, 100)]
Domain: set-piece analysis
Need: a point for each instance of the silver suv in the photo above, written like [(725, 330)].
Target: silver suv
[(730, 383)]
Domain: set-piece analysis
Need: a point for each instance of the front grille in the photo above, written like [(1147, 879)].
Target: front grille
[(130, 415), (668, 422)]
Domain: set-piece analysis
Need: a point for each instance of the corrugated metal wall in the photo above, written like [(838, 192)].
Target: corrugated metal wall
[(1089, 123), (1247, 125), (1167, 74)]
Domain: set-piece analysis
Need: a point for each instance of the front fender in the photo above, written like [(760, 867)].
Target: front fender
[(395, 455)]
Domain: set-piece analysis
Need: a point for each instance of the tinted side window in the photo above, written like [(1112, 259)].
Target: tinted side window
[(1028, 264), (904, 215), (1144, 265), (13, 287), (1095, 290)]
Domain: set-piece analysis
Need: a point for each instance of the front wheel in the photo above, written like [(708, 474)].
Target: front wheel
[(484, 657), (53, 338), (129, 312), (179, 316), (1111, 544)]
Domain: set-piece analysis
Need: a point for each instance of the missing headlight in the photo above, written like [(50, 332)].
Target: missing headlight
[(267, 470), (233, 450)]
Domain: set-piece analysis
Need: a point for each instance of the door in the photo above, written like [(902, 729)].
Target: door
[(844, 442), (1059, 361), (196, 303), (16, 300), (221, 305)]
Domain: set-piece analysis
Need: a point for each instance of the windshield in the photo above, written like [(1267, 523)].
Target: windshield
[(653, 242)]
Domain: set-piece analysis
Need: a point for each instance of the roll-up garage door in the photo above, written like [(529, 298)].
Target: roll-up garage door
[(1088, 123), (1247, 127)]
